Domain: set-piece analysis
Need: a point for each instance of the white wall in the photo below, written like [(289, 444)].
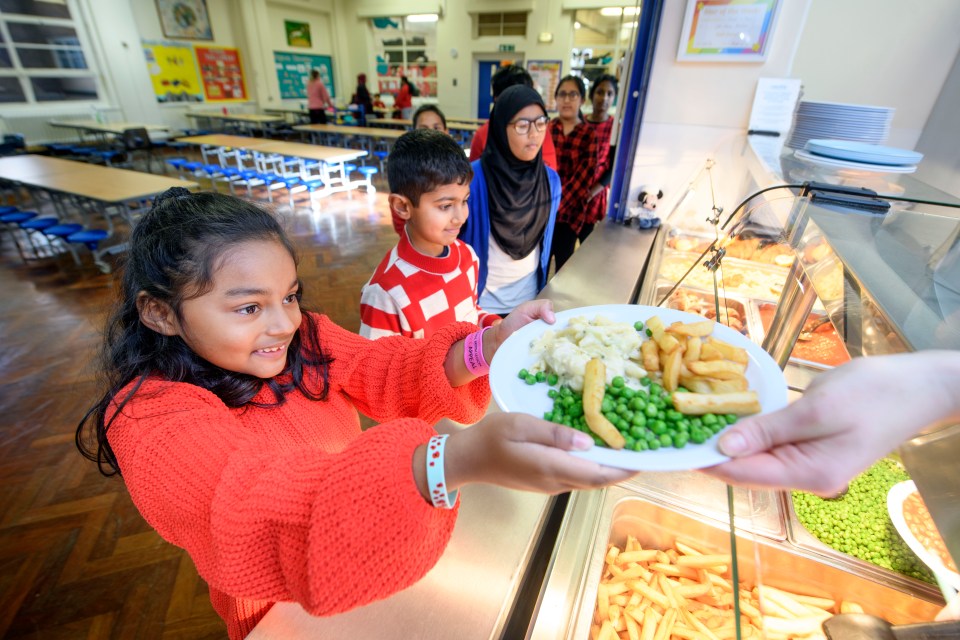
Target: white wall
[(880, 52)]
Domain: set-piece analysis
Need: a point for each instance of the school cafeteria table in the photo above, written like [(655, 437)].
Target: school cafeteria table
[(102, 129), (469, 120), (246, 121), (87, 185), (332, 159), (374, 139), (394, 122), (299, 114)]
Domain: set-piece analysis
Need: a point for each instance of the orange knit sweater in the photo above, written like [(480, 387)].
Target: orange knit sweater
[(294, 502)]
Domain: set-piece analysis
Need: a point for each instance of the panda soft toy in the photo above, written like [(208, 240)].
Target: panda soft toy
[(645, 211)]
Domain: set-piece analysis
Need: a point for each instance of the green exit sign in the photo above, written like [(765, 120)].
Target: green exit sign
[(508, 47)]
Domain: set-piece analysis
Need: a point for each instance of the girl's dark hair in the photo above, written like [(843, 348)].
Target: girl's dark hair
[(604, 78), (574, 79), (175, 250), (424, 108)]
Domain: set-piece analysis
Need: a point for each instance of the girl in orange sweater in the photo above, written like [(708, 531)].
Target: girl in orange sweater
[(232, 416)]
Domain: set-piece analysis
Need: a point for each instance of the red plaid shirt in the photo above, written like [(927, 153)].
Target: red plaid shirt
[(578, 155), (597, 208)]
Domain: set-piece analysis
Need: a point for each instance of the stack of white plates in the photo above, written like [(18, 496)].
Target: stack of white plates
[(844, 154), (839, 121)]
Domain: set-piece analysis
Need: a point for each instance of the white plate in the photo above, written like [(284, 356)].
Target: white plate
[(512, 394), (895, 498), (813, 158), (861, 152)]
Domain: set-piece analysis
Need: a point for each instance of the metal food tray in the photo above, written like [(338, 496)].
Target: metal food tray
[(659, 525), (754, 330), (700, 282), (761, 334), (756, 510), (799, 536)]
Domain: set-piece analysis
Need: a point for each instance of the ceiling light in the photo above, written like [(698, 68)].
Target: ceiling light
[(423, 17), (611, 12), (577, 25)]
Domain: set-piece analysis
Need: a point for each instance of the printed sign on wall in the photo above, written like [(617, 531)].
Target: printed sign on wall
[(173, 72), (293, 71), (222, 73)]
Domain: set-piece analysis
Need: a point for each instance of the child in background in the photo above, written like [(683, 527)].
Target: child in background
[(429, 116), (378, 103), (232, 415), (430, 278)]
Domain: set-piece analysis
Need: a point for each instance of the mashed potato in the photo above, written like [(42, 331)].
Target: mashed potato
[(567, 351)]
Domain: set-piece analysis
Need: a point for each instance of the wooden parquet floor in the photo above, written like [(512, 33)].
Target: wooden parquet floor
[(76, 559)]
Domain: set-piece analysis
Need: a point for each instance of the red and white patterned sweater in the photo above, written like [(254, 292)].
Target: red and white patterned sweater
[(295, 502), (414, 295)]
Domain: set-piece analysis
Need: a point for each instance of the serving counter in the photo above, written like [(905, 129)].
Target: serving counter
[(521, 565)]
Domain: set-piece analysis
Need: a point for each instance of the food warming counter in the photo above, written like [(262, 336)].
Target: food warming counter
[(489, 583)]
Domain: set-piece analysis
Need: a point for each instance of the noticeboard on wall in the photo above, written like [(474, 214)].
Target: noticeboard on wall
[(293, 71), (546, 77), (727, 30), (173, 72), (221, 72)]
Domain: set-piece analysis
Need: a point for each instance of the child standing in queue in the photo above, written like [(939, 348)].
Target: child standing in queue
[(232, 416), (429, 279)]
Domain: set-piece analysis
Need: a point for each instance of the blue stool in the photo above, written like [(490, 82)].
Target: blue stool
[(382, 158), (38, 224), (368, 173), (91, 239), (178, 164)]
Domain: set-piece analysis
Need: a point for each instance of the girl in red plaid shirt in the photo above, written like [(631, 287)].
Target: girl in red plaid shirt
[(578, 156)]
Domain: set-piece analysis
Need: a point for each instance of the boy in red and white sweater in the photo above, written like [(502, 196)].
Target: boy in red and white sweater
[(430, 278)]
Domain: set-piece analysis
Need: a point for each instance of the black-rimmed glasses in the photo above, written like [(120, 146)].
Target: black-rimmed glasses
[(522, 125)]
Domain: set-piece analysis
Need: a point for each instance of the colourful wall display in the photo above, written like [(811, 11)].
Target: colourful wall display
[(222, 73), (293, 71), (173, 72), (546, 76)]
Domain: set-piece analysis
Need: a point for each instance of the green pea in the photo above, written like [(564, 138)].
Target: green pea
[(617, 382), (638, 326), (530, 379), (552, 393), (552, 379), (541, 376), (523, 374)]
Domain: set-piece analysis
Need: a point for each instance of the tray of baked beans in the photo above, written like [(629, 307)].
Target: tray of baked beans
[(818, 345), (735, 312)]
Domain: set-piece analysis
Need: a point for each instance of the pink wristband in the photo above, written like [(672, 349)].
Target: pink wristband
[(473, 353)]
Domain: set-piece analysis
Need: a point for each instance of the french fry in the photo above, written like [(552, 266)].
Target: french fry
[(594, 380), (692, 352), (671, 370), (650, 355), (728, 386), (708, 352), (607, 631), (729, 351), (699, 329), (703, 561), (720, 369), (641, 555), (696, 384), (739, 403), (667, 342)]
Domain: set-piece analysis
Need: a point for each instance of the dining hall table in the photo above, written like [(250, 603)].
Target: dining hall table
[(244, 121), (77, 188), (102, 129), (333, 160)]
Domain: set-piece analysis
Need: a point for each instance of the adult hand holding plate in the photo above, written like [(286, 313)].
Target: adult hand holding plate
[(511, 394)]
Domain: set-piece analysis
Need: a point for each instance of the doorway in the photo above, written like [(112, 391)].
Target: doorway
[(486, 66)]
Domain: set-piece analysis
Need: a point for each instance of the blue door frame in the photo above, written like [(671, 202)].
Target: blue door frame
[(635, 98)]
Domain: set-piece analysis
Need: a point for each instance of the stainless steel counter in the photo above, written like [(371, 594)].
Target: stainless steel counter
[(467, 595)]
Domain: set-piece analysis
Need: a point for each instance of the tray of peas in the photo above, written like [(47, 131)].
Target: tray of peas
[(655, 435), (857, 525)]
